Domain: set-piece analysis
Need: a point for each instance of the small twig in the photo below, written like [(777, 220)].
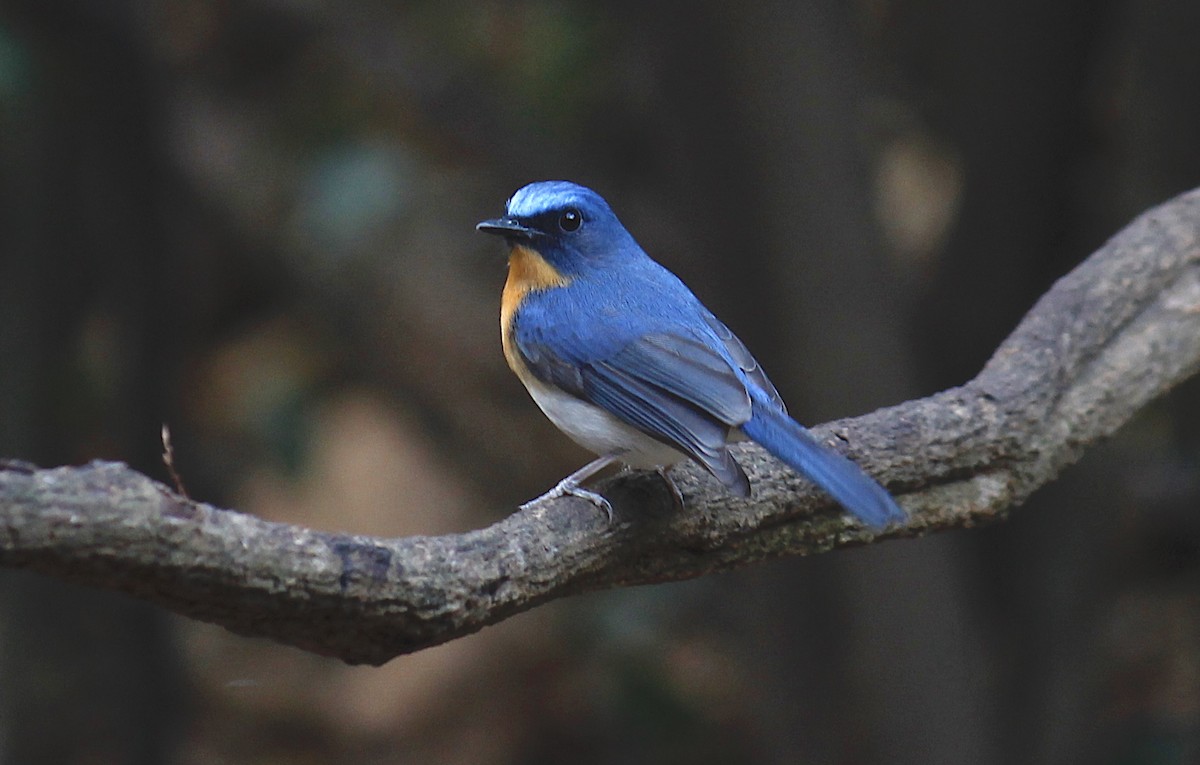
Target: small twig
[(168, 458)]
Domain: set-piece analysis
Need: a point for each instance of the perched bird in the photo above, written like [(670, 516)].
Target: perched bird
[(624, 359)]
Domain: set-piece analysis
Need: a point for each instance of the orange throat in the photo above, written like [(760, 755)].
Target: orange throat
[(528, 272)]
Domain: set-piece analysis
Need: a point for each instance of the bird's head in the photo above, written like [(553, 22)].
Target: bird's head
[(569, 225)]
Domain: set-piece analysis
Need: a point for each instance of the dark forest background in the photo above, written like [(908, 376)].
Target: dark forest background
[(254, 221)]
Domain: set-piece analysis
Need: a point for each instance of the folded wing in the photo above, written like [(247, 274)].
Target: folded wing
[(676, 389)]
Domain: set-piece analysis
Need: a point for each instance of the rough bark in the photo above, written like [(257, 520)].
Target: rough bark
[(1116, 332)]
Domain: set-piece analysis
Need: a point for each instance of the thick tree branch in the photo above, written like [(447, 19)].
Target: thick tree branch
[(1116, 332)]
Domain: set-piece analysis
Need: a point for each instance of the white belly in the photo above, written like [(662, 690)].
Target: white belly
[(598, 431)]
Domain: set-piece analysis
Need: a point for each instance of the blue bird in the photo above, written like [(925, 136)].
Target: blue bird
[(625, 360)]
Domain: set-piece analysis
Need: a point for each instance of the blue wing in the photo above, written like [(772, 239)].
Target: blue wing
[(746, 362), (678, 391), (664, 371), (671, 387)]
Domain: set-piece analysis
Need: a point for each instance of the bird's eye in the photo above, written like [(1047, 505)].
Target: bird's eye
[(570, 220)]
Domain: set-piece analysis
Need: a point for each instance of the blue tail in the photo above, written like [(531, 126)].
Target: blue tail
[(791, 442)]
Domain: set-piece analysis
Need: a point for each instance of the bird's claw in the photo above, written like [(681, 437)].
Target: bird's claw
[(675, 493)]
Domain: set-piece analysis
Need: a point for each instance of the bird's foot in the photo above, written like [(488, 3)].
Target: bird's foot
[(567, 487)]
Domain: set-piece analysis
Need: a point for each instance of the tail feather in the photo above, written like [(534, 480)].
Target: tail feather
[(837, 476)]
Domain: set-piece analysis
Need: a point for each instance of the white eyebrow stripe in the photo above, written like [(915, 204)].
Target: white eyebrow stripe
[(544, 196)]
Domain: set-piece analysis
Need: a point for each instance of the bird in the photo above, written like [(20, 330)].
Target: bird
[(624, 359)]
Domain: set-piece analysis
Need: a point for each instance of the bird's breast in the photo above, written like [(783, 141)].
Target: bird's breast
[(528, 272)]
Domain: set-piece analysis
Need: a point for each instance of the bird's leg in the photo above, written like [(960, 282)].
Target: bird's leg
[(570, 485)]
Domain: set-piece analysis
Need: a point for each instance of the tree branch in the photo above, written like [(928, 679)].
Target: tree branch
[(1116, 332)]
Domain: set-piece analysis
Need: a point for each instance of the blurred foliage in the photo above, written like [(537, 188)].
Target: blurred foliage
[(254, 221)]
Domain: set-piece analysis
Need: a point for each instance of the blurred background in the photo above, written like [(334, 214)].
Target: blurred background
[(254, 221)]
